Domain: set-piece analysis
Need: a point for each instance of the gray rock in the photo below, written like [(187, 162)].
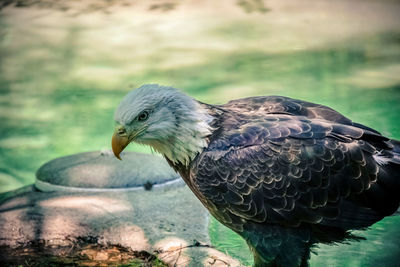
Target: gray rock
[(167, 219), (101, 171)]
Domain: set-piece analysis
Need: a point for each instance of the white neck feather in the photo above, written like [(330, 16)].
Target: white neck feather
[(190, 138)]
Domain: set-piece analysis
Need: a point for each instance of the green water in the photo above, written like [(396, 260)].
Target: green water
[(61, 80)]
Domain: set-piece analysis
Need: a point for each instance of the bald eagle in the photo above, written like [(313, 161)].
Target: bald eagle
[(284, 174)]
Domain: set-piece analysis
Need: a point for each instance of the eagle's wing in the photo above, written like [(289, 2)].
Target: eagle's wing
[(285, 169), (290, 106)]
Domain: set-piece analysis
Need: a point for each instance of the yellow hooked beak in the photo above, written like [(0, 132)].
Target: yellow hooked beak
[(121, 139), (118, 144)]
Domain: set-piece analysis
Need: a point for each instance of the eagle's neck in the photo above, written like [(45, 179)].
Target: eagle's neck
[(191, 136)]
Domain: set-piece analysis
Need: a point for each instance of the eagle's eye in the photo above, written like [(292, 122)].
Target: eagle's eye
[(143, 116)]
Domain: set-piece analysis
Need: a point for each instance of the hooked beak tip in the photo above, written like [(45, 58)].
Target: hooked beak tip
[(118, 144)]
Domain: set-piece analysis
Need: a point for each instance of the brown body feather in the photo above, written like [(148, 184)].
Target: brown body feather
[(286, 174)]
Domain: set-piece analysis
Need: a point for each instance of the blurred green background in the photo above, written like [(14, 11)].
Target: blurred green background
[(65, 65)]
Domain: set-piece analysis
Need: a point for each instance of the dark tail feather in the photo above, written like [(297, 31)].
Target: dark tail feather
[(396, 147), (397, 212), (389, 179)]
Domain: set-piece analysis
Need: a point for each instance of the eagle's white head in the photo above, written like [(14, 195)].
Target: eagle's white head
[(171, 122)]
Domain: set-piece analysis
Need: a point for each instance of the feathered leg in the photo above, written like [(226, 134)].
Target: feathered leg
[(274, 245)]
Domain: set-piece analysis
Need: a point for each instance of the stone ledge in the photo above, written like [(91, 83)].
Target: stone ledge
[(165, 220)]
